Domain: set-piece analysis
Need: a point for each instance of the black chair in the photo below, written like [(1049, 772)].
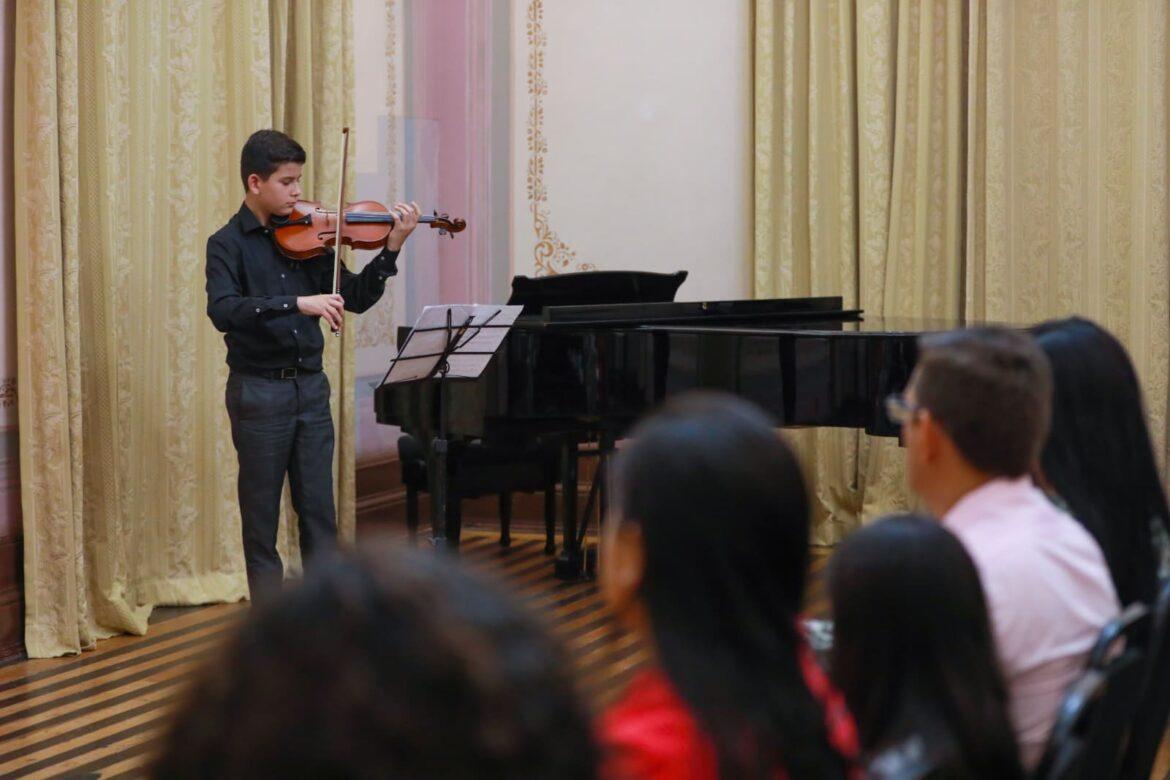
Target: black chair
[(477, 470), (1066, 755), (1153, 712), (1128, 632), (1095, 720)]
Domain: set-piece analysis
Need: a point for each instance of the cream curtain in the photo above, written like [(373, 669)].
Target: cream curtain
[(128, 120), (999, 159)]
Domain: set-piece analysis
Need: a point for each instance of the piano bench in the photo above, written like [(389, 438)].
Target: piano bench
[(478, 470)]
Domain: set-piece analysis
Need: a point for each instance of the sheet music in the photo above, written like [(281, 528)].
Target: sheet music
[(416, 360)]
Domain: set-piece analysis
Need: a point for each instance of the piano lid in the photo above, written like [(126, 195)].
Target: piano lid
[(593, 287), (746, 312)]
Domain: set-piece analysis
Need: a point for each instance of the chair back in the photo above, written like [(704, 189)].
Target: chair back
[(1153, 711), (1095, 721), (1065, 757), (1129, 631)]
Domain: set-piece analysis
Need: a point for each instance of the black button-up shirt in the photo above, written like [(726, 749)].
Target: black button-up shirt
[(252, 292)]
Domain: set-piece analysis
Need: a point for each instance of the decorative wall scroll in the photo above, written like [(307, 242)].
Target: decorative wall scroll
[(552, 255)]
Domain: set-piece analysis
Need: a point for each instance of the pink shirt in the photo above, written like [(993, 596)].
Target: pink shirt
[(1048, 591)]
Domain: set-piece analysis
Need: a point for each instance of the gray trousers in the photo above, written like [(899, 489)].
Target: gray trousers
[(282, 426)]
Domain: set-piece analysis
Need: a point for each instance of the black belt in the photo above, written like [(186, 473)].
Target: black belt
[(277, 373)]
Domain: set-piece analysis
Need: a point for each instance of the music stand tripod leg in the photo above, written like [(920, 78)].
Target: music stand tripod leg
[(441, 533)]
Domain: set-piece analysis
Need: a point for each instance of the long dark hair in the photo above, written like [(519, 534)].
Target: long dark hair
[(1098, 457), (390, 664), (912, 643), (724, 518)]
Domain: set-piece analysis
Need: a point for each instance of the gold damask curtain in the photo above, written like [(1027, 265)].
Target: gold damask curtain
[(998, 159), (129, 117)]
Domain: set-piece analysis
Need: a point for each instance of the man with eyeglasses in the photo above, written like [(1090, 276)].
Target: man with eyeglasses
[(974, 418)]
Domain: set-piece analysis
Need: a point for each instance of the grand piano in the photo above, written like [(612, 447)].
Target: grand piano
[(593, 352)]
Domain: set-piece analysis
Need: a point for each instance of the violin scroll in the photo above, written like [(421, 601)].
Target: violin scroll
[(445, 225)]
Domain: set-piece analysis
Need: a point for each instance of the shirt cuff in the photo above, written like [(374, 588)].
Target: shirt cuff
[(279, 303), (386, 264)]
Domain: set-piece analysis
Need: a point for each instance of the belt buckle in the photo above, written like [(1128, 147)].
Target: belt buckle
[(288, 373)]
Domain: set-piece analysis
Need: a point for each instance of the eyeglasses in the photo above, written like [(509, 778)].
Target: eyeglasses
[(899, 410)]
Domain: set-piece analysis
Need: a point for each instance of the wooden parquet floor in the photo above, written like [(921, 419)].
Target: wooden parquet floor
[(100, 714)]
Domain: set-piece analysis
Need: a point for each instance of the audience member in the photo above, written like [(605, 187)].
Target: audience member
[(705, 558), (974, 417), (385, 665), (914, 655), (1098, 459)]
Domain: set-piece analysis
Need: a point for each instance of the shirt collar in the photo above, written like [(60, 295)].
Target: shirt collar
[(974, 505), (248, 221)]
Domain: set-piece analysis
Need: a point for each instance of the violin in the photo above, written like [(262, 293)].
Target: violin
[(311, 228)]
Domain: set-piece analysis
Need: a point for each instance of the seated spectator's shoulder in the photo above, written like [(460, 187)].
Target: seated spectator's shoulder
[(650, 733)]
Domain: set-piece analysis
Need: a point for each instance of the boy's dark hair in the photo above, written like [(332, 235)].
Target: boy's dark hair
[(265, 151), (991, 390)]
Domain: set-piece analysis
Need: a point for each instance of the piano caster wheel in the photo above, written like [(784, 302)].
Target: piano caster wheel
[(582, 566), (505, 541), (569, 568), (550, 548), (444, 543)]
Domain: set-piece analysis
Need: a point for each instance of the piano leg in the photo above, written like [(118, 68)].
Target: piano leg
[(550, 518), (604, 456), (454, 519), (570, 565), (412, 512), (603, 459), (505, 519), (439, 485)]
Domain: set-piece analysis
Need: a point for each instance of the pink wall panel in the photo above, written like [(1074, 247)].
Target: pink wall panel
[(450, 71)]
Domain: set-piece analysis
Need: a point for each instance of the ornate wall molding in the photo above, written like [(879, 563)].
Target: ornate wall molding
[(392, 95), (8, 393), (551, 254)]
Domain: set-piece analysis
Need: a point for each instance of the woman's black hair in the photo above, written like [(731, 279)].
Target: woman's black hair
[(724, 517), (913, 650), (1098, 457), (387, 665)]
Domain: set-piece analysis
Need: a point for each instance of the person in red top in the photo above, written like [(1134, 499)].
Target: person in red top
[(705, 558)]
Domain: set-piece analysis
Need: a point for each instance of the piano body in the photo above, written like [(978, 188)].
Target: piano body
[(570, 373)]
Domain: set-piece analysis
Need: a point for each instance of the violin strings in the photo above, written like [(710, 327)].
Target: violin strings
[(375, 216)]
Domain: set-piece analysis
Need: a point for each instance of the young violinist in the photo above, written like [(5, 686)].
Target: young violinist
[(268, 307)]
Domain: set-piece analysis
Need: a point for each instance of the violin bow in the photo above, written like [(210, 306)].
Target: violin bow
[(340, 218)]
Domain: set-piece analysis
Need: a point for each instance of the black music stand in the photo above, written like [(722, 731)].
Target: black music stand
[(448, 343)]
